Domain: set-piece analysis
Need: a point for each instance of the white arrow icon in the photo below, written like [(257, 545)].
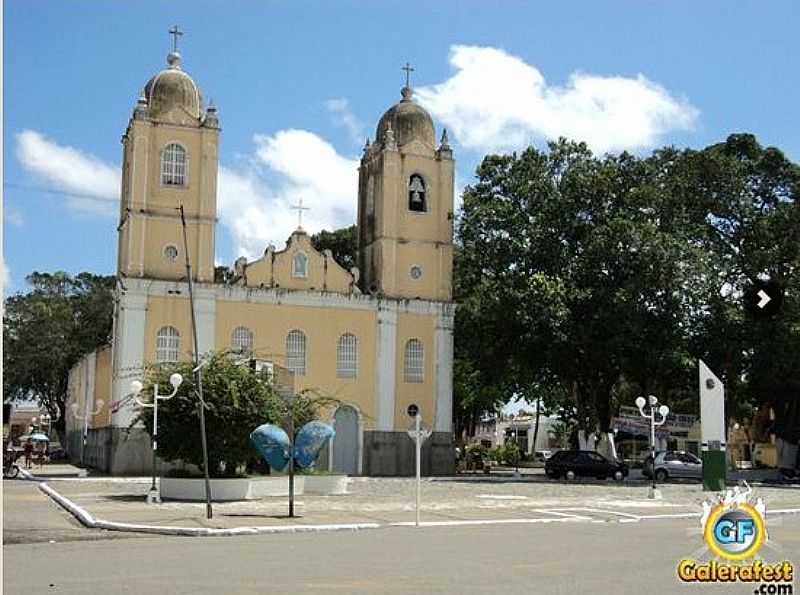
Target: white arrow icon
[(765, 299)]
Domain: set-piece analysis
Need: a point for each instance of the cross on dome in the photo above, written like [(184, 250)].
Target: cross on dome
[(408, 68), (175, 32), (300, 208)]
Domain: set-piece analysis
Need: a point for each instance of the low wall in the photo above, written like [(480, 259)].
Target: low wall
[(97, 452), (229, 490), (120, 451), (392, 454)]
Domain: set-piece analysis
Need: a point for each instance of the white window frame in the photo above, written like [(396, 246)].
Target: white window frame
[(242, 340), (347, 356), (172, 169), (295, 272), (168, 344), (414, 361), (296, 352)]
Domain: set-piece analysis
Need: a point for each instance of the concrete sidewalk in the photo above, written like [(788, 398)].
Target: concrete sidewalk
[(53, 471), (380, 502)]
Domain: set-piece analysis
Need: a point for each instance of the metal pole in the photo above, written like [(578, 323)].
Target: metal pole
[(291, 462), (653, 442), (418, 424), (198, 371), (155, 434), (85, 433)]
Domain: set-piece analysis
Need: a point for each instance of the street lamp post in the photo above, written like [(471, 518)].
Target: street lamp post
[(153, 497), (85, 418), (515, 436), (652, 401)]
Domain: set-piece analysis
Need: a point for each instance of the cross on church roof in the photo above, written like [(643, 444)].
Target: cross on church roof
[(408, 70), (175, 32), (300, 208)]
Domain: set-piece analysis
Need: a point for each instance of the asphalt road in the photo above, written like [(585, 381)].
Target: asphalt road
[(29, 516), (553, 558)]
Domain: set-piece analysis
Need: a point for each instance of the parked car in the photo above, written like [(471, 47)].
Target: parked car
[(583, 463), (541, 456), (673, 463)]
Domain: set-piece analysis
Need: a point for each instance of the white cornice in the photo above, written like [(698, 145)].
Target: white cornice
[(290, 297)]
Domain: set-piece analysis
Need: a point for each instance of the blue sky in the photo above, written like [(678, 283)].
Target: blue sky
[(299, 84)]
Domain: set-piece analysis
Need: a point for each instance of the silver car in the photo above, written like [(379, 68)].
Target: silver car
[(673, 463)]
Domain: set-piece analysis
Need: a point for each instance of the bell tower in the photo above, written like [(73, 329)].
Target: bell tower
[(169, 160), (405, 206)]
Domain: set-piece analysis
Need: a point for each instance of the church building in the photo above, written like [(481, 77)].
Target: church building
[(379, 337)]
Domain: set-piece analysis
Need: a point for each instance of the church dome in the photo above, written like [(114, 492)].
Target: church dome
[(409, 121), (171, 88)]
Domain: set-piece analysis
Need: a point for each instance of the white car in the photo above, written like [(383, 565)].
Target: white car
[(541, 456), (673, 463)]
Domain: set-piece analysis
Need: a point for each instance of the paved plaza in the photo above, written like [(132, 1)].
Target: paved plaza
[(558, 557), (390, 501), (478, 535)]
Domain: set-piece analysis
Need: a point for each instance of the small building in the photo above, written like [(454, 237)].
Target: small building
[(518, 429)]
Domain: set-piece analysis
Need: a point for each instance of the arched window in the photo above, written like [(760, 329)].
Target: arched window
[(414, 361), (300, 265), (173, 165), (242, 340), (296, 352), (347, 356), (417, 194), (168, 341)]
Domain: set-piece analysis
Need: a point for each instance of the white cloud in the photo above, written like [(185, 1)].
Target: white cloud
[(496, 101), (344, 117), (83, 177), (256, 203)]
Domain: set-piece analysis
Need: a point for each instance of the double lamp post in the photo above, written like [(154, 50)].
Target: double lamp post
[(651, 403), (153, 496)]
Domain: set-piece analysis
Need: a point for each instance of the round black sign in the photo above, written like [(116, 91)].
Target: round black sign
[(413, 410)]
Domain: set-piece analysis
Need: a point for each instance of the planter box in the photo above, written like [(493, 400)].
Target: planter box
[(226, 490), (327, 485)]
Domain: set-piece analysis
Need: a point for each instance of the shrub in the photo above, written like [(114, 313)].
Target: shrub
[(508, 453), (238, 400)]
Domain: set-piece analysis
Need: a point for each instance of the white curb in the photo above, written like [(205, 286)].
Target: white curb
[(564, 515), (89, 521)]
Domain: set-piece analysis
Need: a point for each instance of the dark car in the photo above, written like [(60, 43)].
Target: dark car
[(583, 463)]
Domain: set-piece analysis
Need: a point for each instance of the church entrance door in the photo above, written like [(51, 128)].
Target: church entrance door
[(345, 443)]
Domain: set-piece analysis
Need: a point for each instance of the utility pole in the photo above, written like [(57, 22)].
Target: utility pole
[(198, 369)]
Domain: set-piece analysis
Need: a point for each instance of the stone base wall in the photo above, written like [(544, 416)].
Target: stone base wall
[(120, 451), (392, 454), (97, 452)]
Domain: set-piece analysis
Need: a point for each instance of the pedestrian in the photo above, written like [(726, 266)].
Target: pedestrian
[(28, 449)]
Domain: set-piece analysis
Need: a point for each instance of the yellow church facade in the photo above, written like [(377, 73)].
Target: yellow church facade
[(378, 337)]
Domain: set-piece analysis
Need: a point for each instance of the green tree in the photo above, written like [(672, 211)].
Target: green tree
[(341, 242), (48, 329), (238, 400), (591, 280)]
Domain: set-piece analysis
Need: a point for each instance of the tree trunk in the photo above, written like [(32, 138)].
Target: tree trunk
[(536, 427)]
